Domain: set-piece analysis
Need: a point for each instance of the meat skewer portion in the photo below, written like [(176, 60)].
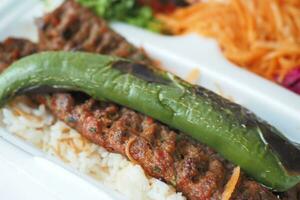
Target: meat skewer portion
[(191, 167), (12, 49), (72, 27)]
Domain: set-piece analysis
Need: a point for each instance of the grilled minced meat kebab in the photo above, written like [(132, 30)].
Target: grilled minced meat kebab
[(191, 167), (74, 28), (12, 49)]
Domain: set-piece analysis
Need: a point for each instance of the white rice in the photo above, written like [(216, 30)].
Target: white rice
[(38, 126)]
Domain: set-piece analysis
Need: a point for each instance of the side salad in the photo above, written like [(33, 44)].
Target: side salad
[(139, 13)]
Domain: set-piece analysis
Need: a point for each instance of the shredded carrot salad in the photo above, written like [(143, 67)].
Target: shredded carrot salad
[(231, 184), (260, 35)]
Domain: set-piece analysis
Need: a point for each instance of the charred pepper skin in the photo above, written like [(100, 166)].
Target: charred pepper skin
[(238, 135)]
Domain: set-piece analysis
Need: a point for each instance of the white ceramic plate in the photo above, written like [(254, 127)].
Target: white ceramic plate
[(32, 176)]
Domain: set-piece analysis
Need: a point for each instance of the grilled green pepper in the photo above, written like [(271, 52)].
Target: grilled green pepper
[(234, 132)]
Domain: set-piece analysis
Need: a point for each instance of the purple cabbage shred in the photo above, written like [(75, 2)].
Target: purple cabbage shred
[(292, 80)]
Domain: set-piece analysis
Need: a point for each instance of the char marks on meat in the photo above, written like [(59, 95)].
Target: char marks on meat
[(193, 168), (72, 27)]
